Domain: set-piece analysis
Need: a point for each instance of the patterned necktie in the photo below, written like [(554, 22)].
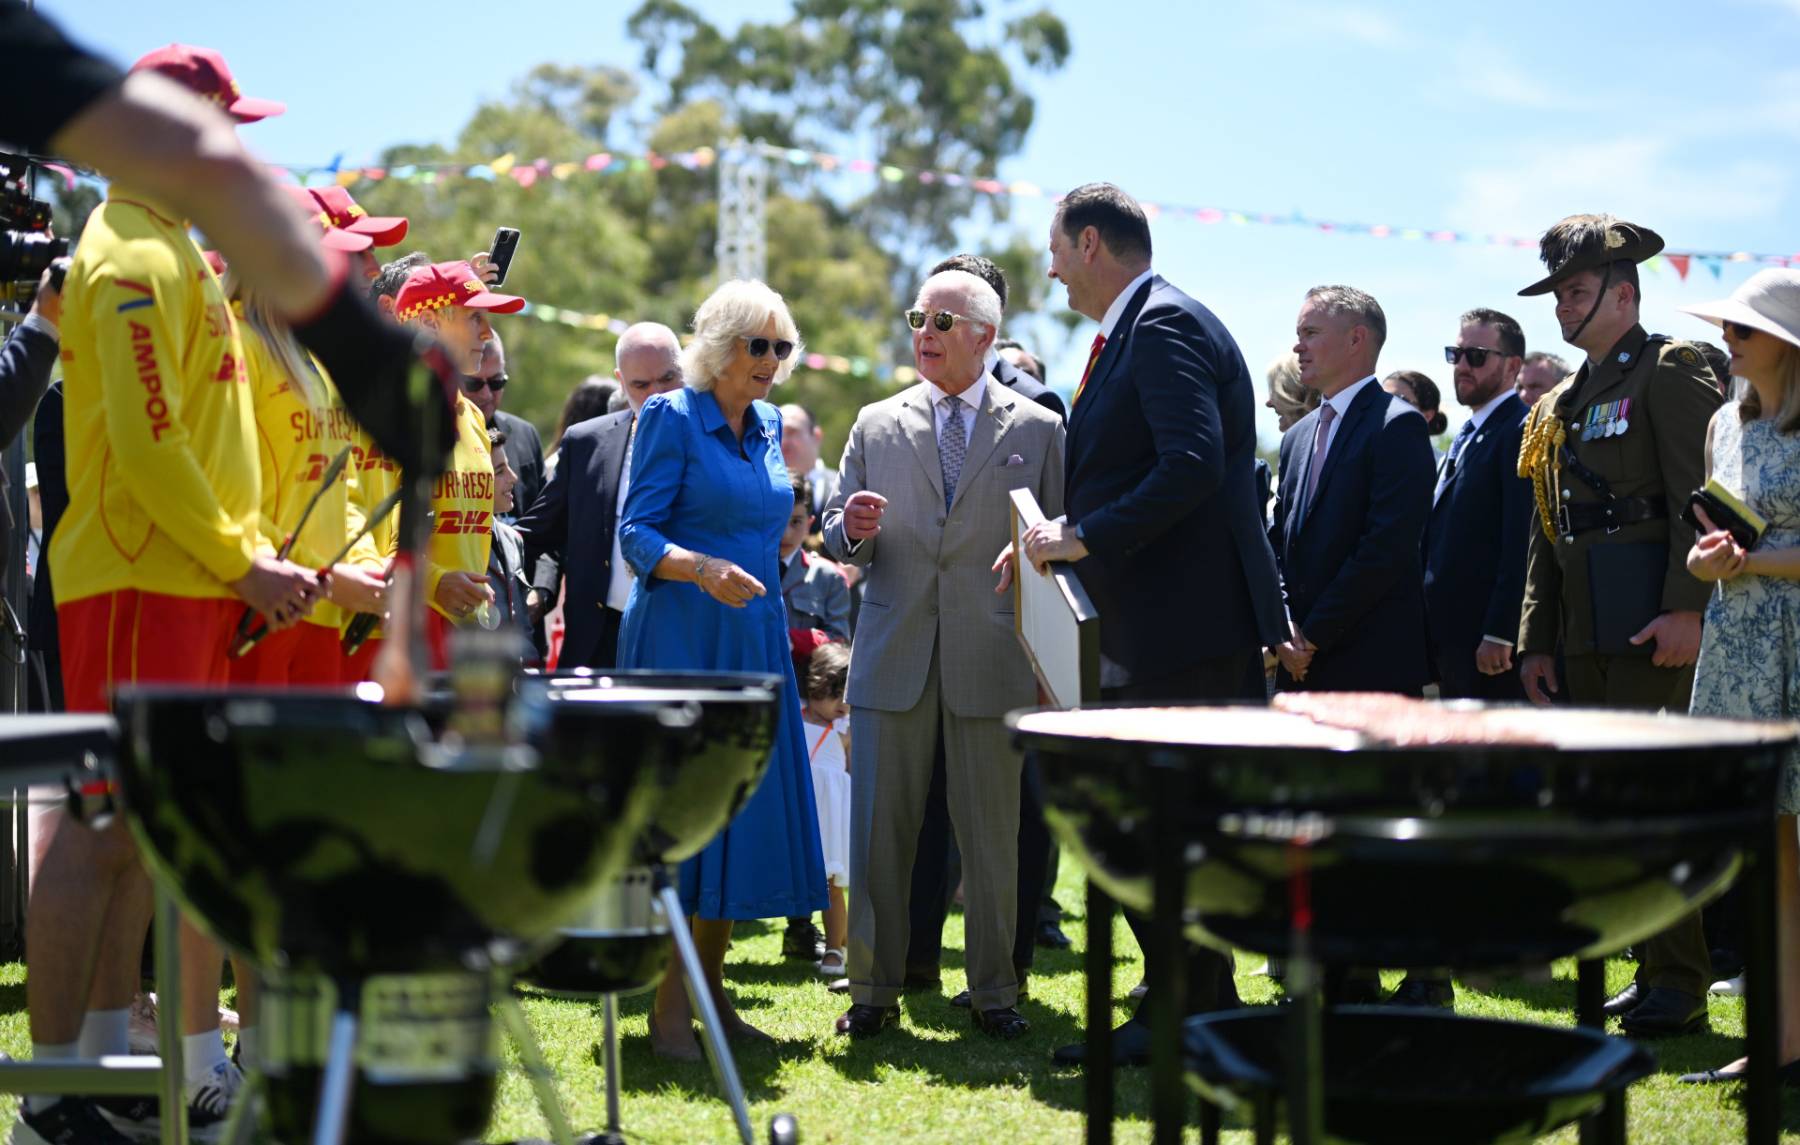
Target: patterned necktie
[(953, 446), (1093, 356), (1457, 445), (1321, 436)]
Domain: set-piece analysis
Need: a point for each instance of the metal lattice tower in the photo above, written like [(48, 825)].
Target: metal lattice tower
[(742, 248)]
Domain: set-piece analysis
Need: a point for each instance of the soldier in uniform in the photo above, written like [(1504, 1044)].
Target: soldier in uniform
[(1613, 453)]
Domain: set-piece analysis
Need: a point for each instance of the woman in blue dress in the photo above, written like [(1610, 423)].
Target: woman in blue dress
[(1749, 663), (702, 526)]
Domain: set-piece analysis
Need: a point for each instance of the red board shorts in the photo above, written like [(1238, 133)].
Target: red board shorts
[(356, 667), (135, 637), (307, 655)]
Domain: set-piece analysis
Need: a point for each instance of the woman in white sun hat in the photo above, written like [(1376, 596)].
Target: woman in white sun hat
[(1750, 648)]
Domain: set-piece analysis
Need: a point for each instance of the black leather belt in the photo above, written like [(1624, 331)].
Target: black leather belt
[(1586, 516)]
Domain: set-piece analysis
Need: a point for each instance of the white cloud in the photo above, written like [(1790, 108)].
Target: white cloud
[(1498, 80), (1633, 177), (1359, 25)]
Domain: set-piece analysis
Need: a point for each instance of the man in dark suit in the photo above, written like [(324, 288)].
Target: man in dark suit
[(801, 439), (1356, 481), (1481, 519), (1162, 515), (1349, 525), (575, 519)]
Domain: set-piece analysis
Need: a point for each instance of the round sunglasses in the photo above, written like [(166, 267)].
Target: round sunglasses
[(759, 347), (943, 321)]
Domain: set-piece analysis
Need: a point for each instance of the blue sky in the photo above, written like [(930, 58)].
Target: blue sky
[(1682, 116)]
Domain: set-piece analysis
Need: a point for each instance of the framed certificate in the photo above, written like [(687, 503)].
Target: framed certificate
[(1056, 622)]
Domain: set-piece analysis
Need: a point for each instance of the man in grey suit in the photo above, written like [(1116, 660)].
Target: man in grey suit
[(922, 505)]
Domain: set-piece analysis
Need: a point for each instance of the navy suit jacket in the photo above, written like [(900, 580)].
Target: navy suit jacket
[(573, 520), (1350, 562), (1475, 555), (1030, 388), (1161, 478)]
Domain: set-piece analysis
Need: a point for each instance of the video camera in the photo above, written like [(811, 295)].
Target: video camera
[(26, 244)]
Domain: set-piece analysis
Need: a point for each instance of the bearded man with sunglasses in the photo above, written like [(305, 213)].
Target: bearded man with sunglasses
[(1480, 519), (1613, 453), (923, 504)]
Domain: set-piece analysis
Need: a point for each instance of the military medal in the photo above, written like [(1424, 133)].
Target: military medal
[(1624, 422)]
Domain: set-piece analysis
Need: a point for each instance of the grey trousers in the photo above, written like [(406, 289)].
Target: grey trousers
[(890, 764)]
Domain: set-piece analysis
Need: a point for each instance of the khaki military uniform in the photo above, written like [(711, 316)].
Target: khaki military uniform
[(1637, 419)]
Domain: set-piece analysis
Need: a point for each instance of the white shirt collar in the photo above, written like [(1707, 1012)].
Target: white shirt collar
[(972, 396), (1481, 414), (1341, 403), (1117, 309)]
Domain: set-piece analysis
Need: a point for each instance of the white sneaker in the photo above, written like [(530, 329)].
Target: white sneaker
[(1729, 988), (143, 1025), (209, 1101)]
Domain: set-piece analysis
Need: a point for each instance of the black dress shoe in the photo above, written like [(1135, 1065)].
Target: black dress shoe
[(1130, 1046), (1624, 1002), (1051, 937), (802, 940), (962, 1001), (1425, 993), (1664, 1012), (1354, 992), (861, 1021), (1788, 1075), (1005, 1023)]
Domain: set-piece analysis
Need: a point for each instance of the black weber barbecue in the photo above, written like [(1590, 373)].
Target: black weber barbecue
[(1535, 835)]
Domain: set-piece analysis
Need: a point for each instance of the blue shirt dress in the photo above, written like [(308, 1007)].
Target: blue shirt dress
[(694, 486)]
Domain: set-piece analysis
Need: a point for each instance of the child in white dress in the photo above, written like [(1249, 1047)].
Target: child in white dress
[(827, 725)]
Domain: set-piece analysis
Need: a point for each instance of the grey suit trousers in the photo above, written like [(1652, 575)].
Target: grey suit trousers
[(891, 758)]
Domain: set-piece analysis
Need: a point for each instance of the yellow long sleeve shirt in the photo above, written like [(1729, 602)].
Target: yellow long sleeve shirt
[(164, 482), (297, 437), (370, 478), (462, 505)]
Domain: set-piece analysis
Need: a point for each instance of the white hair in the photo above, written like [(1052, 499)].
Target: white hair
[(738, 309), (983, 304)]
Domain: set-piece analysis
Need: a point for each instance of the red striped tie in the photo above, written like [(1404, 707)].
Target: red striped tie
[(1093, 356)]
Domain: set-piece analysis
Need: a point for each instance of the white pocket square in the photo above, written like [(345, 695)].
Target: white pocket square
[(1011, 461)]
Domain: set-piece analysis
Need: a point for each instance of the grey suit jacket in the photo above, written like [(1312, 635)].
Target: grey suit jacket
[(930, 573)]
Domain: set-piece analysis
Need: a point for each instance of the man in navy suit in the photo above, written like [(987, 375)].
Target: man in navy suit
[(575, 520), (1480, 519), (1162, 517), (1355, 493)]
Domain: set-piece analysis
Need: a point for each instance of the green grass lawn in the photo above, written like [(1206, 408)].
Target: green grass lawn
[(935, 1080)]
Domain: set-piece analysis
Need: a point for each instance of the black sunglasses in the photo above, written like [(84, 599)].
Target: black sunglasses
[(473, 385), (1477, 356), (759, 347), (1740, 331)]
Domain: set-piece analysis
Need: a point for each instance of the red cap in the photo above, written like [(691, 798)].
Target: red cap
[(333, 239), (449, 284), (342, 212), (203, 72)]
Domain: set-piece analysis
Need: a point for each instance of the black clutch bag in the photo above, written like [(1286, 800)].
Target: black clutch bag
[(1728, 512)]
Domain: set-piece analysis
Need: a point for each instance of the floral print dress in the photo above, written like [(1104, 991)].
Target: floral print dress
[(1750, 647)]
